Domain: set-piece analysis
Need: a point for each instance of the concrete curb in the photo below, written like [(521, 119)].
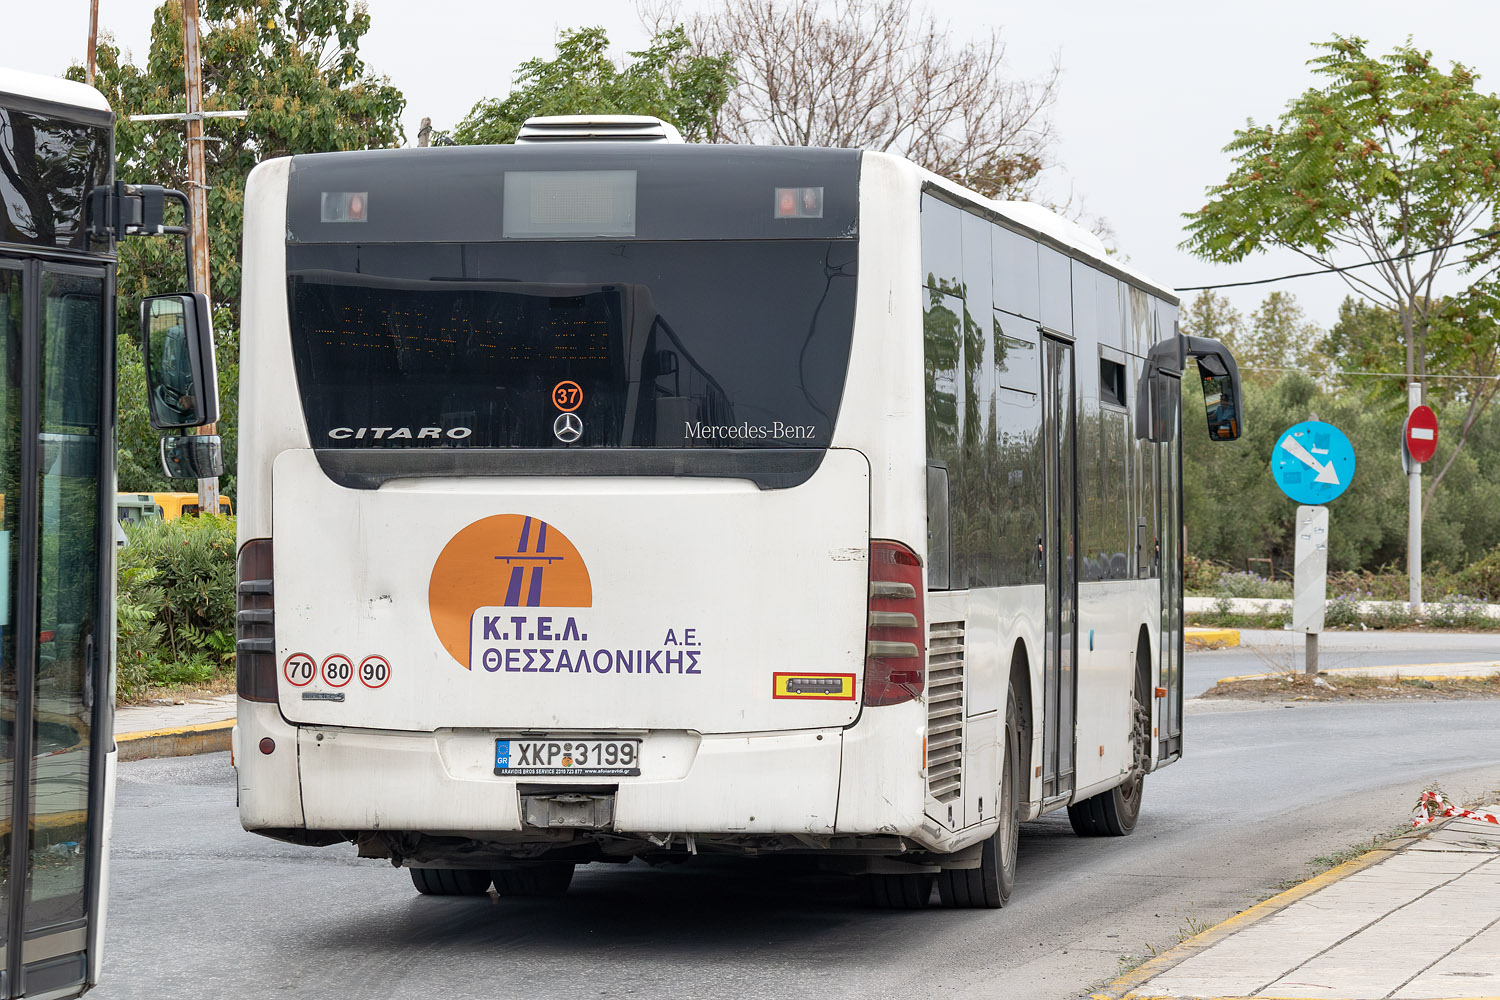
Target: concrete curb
[(176, 741), (1211, 636), (1126, 987)]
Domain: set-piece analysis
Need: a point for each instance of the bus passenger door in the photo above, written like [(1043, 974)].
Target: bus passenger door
[(1169, 533), (1059, 533), (56, 550)]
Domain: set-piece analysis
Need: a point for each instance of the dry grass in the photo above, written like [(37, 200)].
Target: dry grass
[(1290, 686)]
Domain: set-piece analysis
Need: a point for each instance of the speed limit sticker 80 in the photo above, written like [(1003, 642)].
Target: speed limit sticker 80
[(337, 670)]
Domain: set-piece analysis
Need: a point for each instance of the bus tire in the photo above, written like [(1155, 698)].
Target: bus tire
[(450, 881), (989, 886), (540, 878), (899, 892)]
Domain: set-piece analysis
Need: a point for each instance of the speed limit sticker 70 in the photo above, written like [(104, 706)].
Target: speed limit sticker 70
[(337, 670), (374, 671), (299, 669)]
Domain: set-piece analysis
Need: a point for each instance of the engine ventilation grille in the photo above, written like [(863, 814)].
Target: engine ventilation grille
[(945, 710)]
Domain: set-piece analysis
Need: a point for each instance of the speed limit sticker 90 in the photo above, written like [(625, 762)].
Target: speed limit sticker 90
[(337, 670), (374, 671), (299, 669)]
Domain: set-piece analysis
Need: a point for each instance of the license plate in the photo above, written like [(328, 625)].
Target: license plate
[(568, 756)]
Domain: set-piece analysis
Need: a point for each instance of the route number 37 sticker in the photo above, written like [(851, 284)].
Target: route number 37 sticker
[(567, 396)]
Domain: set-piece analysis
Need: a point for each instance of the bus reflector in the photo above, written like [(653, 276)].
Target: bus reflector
[(255, 624), (895, 664)]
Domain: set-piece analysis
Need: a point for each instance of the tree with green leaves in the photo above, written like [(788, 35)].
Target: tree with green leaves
[(1277, 338), (1392, 162), (666, 80), (294, 66), (1463, 360)]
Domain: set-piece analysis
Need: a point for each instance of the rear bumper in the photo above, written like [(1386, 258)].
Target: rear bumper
[(353, 780)]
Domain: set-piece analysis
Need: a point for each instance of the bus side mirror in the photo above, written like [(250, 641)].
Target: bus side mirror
[(182, 386), (198, 457), (1222, 399)]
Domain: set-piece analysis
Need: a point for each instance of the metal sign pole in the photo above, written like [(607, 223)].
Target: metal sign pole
[(1414, 512), (1310, 582)]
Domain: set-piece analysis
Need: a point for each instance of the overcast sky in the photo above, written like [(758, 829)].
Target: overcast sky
[(1151, 89)]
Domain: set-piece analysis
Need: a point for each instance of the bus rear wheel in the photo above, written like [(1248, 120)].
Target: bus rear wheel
[(989, 886), (450, 881), (899, 892), (540, 878)]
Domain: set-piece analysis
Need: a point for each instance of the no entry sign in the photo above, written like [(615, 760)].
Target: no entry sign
[(1421, 433)]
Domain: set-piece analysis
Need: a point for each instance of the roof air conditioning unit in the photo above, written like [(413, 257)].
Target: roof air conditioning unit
[(597, 128)]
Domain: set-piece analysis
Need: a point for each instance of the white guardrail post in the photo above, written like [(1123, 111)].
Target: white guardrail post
[(1310, 581)]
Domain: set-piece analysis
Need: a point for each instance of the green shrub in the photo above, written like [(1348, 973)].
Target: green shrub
[(1251, 585), (1343, 612), (1455, 611), (1481, 578), (175, 603), (1200, 575)]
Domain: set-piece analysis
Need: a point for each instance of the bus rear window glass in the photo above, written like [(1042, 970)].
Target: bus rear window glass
[(543, 203), (725, 344)]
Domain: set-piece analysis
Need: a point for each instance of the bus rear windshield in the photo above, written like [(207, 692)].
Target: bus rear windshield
[(724, 344)]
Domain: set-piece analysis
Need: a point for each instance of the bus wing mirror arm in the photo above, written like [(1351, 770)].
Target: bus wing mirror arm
[(119, 210)]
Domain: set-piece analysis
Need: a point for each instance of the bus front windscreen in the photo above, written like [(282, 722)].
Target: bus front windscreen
[(572, 344)]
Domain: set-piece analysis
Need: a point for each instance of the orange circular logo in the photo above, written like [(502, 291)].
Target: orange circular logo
[(567, 396), (503, 561)]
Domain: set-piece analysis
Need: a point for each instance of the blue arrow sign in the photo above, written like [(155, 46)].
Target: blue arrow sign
[(1312, 462)]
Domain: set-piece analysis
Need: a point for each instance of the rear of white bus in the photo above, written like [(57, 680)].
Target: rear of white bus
[(555, 523)]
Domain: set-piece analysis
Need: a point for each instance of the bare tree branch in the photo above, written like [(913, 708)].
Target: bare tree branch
[(875, 74)]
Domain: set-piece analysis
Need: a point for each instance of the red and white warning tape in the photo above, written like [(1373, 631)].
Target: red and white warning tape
[(1433, 806)]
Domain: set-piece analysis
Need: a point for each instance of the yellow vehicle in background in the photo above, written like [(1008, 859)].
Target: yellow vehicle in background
[(177, 504)]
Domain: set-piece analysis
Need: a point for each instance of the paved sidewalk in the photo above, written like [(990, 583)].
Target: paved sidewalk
[(197, 726), (1418, 919)]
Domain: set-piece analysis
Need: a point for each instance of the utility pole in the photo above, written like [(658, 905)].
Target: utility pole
[(88, 76), (208, 489)]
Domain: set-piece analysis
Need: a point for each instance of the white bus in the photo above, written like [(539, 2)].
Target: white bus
[(611, 499)]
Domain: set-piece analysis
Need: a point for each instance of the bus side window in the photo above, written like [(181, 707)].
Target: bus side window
[(939, 537)]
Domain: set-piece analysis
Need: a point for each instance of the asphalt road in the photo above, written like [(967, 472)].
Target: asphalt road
[(200, 909), (1264, 651)]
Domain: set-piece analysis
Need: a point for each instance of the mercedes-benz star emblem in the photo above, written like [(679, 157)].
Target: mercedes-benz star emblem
[(567, 427)]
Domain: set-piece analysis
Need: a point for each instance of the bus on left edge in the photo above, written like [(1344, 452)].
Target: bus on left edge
[(61, 212)]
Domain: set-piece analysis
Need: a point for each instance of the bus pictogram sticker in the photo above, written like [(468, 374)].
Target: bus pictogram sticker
[(567, 396)]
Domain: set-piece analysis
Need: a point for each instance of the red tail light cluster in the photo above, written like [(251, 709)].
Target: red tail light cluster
[(895, 665), (255, 624)]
